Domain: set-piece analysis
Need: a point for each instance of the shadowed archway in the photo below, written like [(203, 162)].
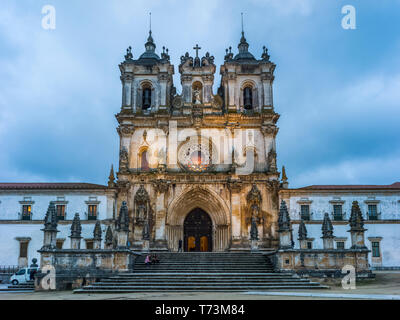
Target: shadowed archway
[(212, 204)]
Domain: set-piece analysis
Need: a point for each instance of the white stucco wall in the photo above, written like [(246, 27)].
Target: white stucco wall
[(388, 205), (10, 206), (12, 227), (387, 227)]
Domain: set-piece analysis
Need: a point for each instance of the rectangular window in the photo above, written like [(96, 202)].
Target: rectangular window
[(340, 245), (23, 249), (92, 212), (337, 212), (26, 212), (305, 212), (372, 212), (309, 245), (61, 212), (376, 253)]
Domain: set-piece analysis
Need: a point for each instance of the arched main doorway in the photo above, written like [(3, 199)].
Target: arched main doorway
[(197, 231)]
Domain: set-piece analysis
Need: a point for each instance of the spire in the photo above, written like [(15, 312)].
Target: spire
[(97, 231), (50, 220), (302, 231), (123, 218), (243, 39), (150, 47), (356, 219), (284, 177), (327, 228), (76, 228), (283, 219), (242, 24), (243, 48), (150, 38), (111, 178), (109, 236)]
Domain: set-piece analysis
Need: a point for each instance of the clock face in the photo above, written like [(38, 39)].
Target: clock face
[(194, 156)]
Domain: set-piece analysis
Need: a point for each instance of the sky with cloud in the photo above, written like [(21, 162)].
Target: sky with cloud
[(337, 90)]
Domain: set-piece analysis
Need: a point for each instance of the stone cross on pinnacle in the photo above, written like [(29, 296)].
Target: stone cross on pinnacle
[(197, 48)]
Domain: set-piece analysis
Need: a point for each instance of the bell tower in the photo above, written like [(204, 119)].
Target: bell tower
[(246, 81), (146, 82), (197, 79)]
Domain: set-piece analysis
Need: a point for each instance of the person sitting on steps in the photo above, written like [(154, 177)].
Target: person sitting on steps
[(155, 259), (147, 261)]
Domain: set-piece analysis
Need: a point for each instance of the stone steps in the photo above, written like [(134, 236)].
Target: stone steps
[(201, 272), (24, 287), (241, 288), (200, 281)]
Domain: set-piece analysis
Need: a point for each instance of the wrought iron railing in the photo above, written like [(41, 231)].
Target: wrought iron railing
[(306, 216), (8, 269), (24, 216), (338, 216), (373, 216), (90, 216)]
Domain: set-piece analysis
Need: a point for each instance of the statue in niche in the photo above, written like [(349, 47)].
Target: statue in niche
[(142, 205), (146, 231), (253, 229), (141, 213), (123, 159), (255, 211), (196, 96)]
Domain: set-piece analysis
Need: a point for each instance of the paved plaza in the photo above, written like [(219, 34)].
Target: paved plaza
[(385, 287)]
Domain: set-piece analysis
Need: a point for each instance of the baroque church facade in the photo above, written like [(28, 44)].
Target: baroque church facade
[(200, 169), (183, 170)]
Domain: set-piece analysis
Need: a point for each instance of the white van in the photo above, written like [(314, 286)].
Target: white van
[(22, 276)]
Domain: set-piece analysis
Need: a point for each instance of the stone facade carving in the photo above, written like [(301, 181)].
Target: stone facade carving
[(253, 230), (142, 206), (254, 202), (161, 185), (202, 174), (272, 161), (123, 160)]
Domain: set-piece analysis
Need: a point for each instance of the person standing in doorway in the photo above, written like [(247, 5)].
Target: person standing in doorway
[(180, 245)]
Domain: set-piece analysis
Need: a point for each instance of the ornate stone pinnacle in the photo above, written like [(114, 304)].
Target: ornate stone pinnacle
[(356, 220), (129, 55), (327, 228), (109, 236), (123, 218), (284, 177), (50, 220), (302, 230), (76, 228), (111, 178), (284, 218), (97, 231)]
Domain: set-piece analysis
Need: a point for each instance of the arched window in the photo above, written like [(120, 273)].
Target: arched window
[(146, 103), (248, 98), (144, 162)]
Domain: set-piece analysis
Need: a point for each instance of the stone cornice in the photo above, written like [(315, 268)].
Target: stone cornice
[(256, 120)]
